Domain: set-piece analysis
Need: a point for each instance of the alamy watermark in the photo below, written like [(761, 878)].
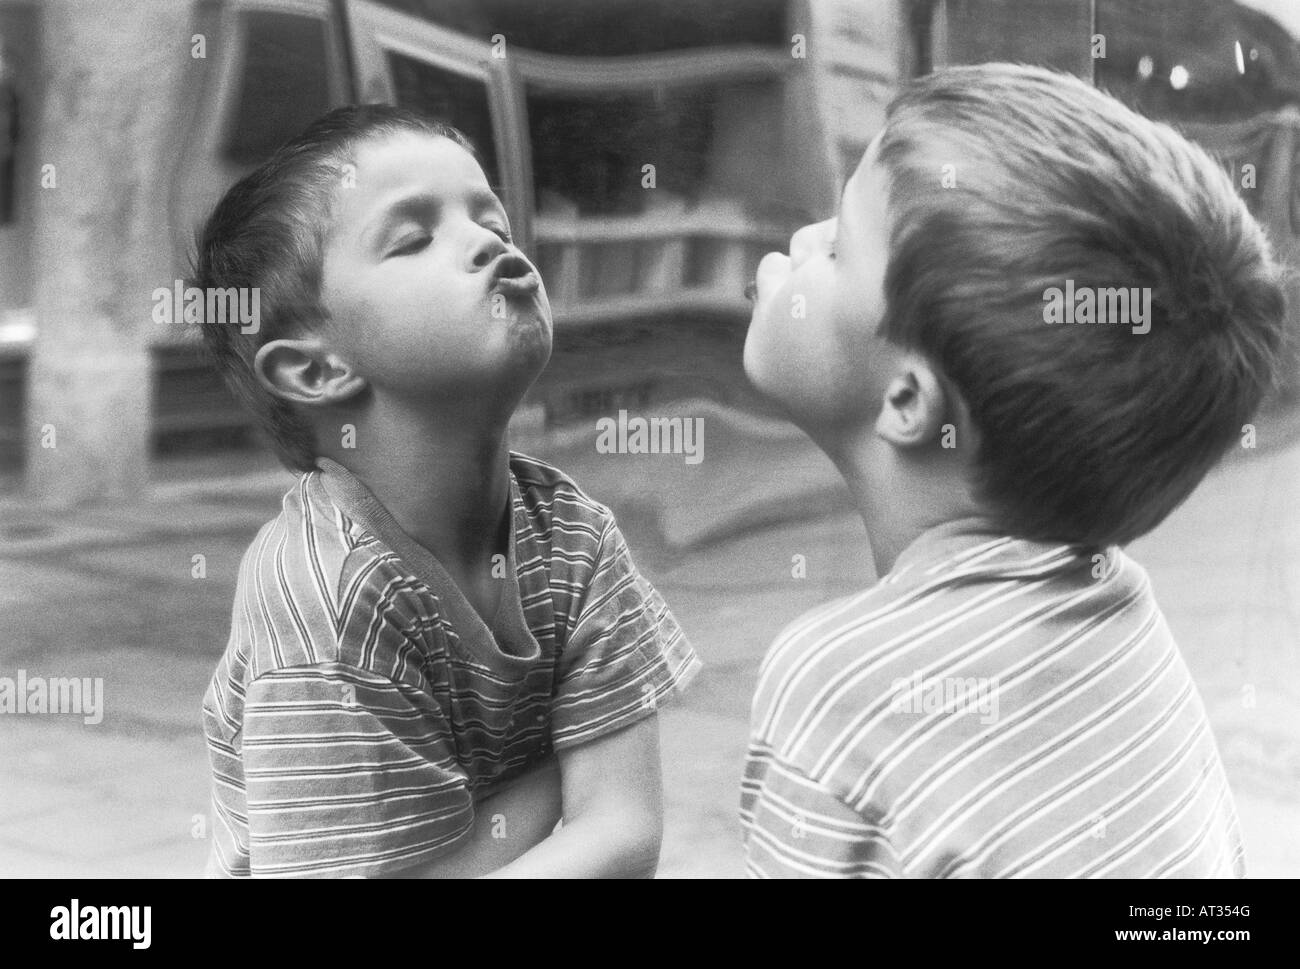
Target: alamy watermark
[(79, 695), (653, 435), (75, 922), (946, 694), (231, 304), (1088, 304)]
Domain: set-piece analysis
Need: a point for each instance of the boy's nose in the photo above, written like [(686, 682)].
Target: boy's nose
[(807, 240), (487, 246)]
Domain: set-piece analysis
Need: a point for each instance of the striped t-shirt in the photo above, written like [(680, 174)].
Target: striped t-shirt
[(992, 708), (362, 705)]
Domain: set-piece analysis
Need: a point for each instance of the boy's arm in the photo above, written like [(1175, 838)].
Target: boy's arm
[(506, 824), (613, 810), (624, 654)]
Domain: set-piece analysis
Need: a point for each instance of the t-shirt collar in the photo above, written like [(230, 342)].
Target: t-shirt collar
[(508, 633), (977, 542)]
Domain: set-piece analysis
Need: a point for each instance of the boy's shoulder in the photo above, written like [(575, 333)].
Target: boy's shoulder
[(306, 574), (835, 677), (550, 494), (535, 474), (821, 662)]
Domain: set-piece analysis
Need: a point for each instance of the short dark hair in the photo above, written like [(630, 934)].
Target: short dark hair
[(268, 232), (1088, 434)]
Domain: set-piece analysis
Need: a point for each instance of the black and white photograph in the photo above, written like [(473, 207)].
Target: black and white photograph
[(650, 439)]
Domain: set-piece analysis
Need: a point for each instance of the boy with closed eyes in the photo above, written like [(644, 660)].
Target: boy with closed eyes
[(440, 647)]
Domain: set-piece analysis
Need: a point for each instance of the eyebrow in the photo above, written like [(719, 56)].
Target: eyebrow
[(423, 205)]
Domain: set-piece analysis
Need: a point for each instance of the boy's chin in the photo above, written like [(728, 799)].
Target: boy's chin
[(764, 373), (530, 331), (530, 352), (526, 362)]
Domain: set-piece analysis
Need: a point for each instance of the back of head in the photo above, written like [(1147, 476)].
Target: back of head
[(268, 234), (1089, 434)]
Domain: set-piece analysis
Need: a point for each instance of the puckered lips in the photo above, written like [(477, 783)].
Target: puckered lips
[(514, 276)]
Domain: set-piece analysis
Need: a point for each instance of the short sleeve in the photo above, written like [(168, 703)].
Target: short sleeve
[(625, 654), (797, 828), (345, 776)]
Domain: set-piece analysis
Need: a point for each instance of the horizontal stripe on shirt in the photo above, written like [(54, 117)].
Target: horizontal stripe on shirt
[(362, 706), (993, 708)]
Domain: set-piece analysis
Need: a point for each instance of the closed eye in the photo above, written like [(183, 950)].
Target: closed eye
[(501, 233), (410, 245)]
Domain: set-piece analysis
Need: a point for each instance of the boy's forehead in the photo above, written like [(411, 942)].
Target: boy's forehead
[(398, 159), (866, 193), (405, 163)]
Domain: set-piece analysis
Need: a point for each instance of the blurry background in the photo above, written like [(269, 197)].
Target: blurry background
[(130, 482)]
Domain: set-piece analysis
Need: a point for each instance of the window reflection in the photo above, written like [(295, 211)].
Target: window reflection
[(284, 84), (1207, 60), (454, 99)]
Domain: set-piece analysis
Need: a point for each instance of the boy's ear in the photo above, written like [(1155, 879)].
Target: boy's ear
[(305, 371), (915, 404)]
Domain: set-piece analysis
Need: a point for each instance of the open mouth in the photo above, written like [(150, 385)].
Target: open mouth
[(514, 276)]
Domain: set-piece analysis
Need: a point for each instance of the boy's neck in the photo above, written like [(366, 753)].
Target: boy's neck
[(899, 497), (443, 477)]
